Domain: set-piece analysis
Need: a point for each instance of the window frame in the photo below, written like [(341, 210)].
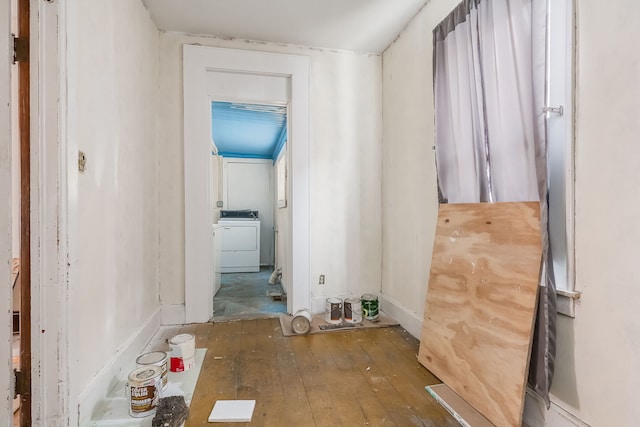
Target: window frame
[(561, 145)]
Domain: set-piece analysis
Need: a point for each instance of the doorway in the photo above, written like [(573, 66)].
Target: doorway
[(292, 72), (248, 139)]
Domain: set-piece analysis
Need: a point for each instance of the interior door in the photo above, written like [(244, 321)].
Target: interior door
[(248, 184)]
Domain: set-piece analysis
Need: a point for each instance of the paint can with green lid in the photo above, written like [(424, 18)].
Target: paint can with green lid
[(370, 307)]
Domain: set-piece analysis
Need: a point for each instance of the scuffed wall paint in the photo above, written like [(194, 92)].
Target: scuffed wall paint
[(409, 190), (345, 165), (113, 82)]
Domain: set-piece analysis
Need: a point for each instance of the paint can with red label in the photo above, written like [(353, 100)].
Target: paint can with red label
[(183, 352)]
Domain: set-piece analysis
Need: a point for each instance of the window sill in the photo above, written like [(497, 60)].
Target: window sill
[(566, 302)]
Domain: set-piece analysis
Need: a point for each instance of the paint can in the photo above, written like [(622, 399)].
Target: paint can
[(370, 307), (183, 352), (143, 390), (155, 358), (352, 310), (301, 323), (333, 310)]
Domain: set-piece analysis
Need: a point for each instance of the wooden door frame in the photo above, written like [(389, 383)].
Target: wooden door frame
[(48, 216), (24, 129)]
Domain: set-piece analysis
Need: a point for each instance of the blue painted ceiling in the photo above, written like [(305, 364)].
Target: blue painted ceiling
[(248, 130)]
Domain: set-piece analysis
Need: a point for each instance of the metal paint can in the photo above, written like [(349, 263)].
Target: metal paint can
[(352, 310), (333, 311), (370, 306), (155, 358), (143, 390), (301, 323), (183, 352)]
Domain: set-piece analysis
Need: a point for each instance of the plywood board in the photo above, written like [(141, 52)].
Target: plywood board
[(480, 305)]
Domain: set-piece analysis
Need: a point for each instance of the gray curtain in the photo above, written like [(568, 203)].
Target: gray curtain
[(489, 86)]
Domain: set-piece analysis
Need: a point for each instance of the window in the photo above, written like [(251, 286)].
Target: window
[(560, 78)]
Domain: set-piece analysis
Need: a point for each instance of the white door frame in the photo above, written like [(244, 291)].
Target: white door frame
[(50, 208), (50, 393), (6, 412), (198, 60)]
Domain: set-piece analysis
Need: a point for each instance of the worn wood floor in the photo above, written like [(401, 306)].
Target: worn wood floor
[(366, 377)]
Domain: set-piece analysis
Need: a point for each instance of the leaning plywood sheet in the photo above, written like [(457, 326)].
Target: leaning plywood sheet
[(481, 301)]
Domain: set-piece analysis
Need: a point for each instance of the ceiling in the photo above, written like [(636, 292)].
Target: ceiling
[(248, 130), (354, 25)]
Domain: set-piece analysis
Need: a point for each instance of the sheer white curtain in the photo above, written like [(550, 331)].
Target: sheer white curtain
[(489, 86), (484, 104)]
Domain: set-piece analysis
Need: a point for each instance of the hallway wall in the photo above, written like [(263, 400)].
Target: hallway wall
[(409, 187), (112, 83), (345, 165)]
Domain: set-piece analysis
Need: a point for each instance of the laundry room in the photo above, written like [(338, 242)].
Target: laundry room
[(247, 179)]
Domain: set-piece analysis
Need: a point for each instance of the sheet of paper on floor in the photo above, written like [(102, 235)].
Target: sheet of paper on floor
[(232, 411)]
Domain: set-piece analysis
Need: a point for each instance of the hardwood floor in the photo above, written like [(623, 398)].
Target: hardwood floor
[(360, 377)]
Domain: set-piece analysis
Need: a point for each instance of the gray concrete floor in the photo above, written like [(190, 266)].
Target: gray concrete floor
[(245, 296)]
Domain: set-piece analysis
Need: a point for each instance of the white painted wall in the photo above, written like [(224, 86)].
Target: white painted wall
[(15, 145), (598, 363), (112, 83), (249, 184), (15, 162), (345, 165), (5, 219), (282, 218), (597, 377), (409, 189), (215, 170)]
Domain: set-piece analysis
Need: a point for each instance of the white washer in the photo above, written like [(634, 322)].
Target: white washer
[(239, 245)]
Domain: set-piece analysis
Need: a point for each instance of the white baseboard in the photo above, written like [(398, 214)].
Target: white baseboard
[(117, 368), (537, 415), (407, 319), (173, 314)]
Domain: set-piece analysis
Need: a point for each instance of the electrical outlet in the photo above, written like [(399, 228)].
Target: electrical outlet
[(321, 281)]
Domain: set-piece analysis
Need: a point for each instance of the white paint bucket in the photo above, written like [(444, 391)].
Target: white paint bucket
[(143, 390), (333, 310), (155, 358), (352, 310), (183, 352), (370, 307), (301, 323)]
